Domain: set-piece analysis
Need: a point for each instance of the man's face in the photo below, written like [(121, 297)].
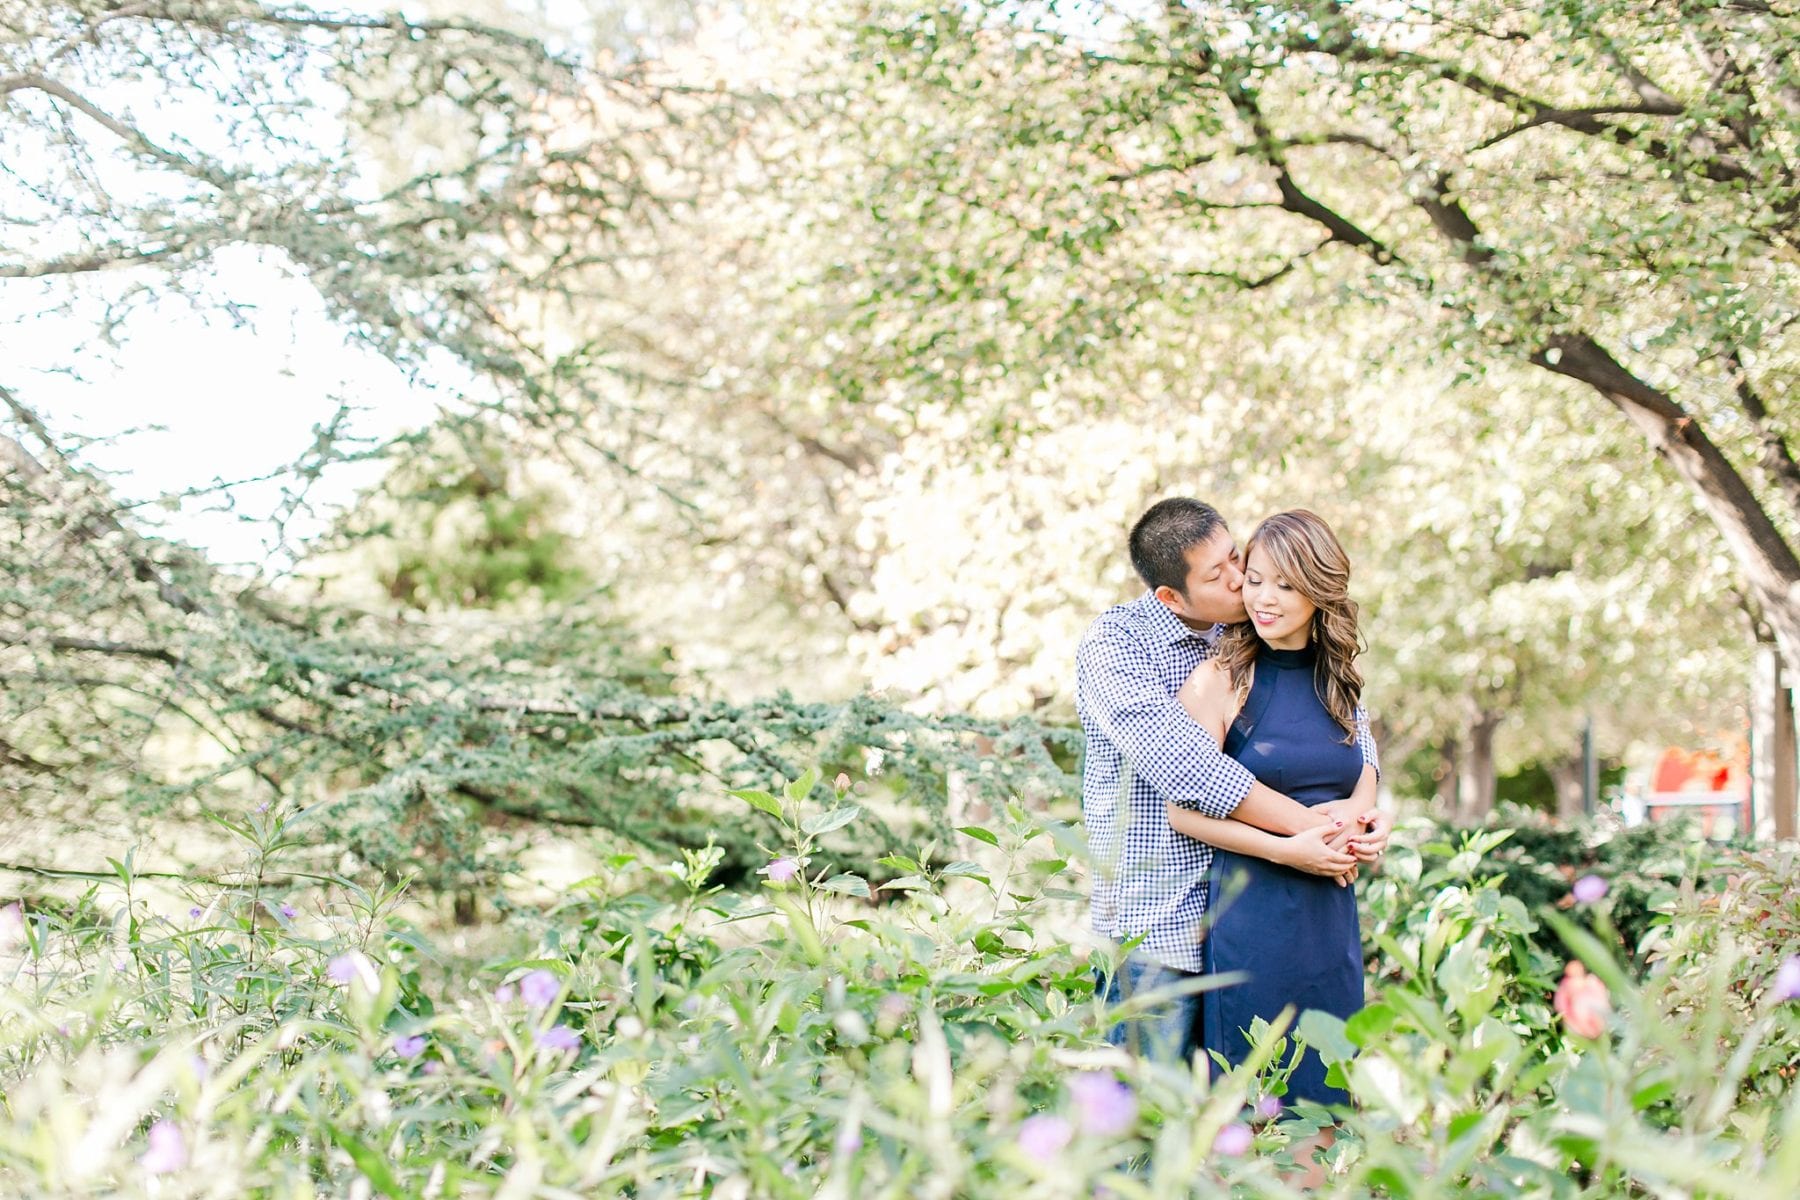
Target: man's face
[(1215, 584)]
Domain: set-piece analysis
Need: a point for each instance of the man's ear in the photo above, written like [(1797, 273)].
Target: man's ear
[(1172, 600)]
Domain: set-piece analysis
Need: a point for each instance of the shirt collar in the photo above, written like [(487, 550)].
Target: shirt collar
[(1170, 628)]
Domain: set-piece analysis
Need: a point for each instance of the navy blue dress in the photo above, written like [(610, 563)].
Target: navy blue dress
[(1294, 935)]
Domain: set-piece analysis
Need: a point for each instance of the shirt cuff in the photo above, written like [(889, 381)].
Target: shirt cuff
[(1223, 790)]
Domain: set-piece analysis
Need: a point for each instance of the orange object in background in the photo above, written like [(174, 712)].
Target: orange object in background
[(1686, 777)]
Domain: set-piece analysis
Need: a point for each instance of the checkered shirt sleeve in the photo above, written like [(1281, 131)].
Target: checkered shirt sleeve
[(1124, 697)]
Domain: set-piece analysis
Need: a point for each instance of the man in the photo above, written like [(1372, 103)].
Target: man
[(1143, 749)]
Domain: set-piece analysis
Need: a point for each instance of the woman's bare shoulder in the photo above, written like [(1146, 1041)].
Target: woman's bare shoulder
[(1211, 677), (1209, 696)]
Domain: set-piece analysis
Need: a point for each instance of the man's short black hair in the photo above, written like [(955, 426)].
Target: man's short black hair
[(1162, 537)]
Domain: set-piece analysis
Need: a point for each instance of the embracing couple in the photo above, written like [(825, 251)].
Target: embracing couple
[(1229, 784)]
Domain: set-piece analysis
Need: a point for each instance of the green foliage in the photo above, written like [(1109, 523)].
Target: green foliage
[(654, 1035), (459, 529), (1529, 863)]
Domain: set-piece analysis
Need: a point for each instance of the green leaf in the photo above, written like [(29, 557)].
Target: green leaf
[(1464, 1122), (373, 1166), (802, 787), (760, 800), (965, 867), (837, 818), (850, 885), (979, 834), (1367, 1024), (1325, 1033), (905, 883), (1654, 1093)]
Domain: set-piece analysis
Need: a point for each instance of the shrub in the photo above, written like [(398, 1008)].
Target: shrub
[(655, 1036)]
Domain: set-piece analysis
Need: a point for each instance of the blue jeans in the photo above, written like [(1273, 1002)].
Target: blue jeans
[(1169, 1030)]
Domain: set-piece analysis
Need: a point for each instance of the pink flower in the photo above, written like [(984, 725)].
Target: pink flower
[(782, 870), (1107, 1106), (410, 1047), (842, 782), (12, 926), (1787, 979), (288, 912), (1234, 1140), (558, 1037), (1588, 889), (1044, 1136), (1269, 1107), (849, 1139), (168, 1150), (540, 988), (1582, 1003)]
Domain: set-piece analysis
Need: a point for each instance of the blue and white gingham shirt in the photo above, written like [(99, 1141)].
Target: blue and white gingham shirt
[(1143, 749)]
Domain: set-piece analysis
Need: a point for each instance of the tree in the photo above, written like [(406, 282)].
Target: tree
[(1604, 189), (408, 738)]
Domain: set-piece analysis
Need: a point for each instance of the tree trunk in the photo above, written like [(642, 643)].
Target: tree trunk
[(1449, 776), (1569, 777), (1769, 563), (1773, 782), (1475, 788)]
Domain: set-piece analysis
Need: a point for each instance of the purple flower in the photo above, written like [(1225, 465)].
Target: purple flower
[(1269, 1107), (1044, 1136), (505, 993), (1787, 979), (782, 870), (350, 966), (12, 925), (289, 912), (194, 912), (168, 1150), (410, 1047), (558, 1037), (1588, 889), (1233, 1140), (849, 1139), (540, 988), (1107, 1106), (431, 1067)]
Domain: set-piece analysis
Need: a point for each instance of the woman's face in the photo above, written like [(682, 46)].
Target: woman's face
[(1281, 615)]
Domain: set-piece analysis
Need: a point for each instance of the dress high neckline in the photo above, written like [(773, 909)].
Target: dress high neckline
[(1306, 656)]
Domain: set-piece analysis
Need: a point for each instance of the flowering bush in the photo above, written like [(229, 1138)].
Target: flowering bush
[(657, 1037)]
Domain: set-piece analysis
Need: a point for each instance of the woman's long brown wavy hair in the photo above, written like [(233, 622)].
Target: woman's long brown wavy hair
[(1306, 554)]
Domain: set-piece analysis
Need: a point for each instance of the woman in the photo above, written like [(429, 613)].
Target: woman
[(1281, 691)]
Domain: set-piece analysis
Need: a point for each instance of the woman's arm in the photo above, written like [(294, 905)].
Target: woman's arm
[(1309, 851)]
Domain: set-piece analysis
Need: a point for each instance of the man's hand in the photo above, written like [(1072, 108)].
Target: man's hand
[(1371, 839)]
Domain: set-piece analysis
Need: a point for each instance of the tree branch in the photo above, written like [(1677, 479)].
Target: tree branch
[(132, 136), (1772, 447)]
